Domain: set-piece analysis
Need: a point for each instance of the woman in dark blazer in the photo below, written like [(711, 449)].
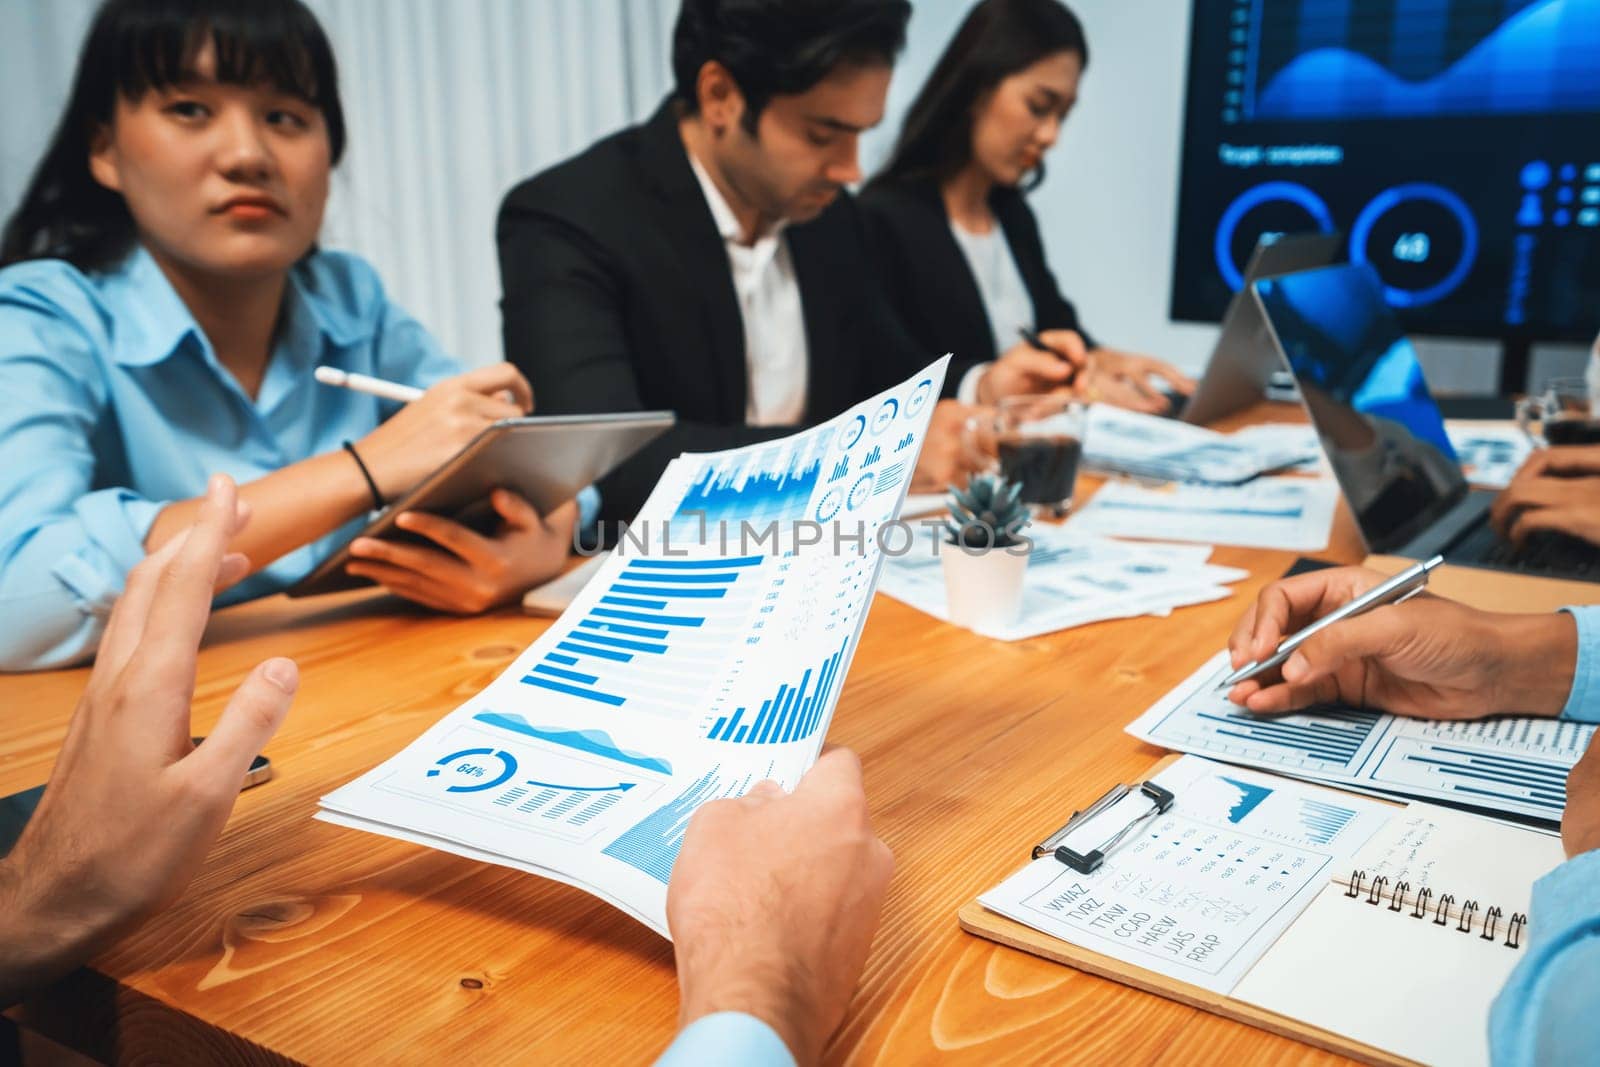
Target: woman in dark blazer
[(958, 246)]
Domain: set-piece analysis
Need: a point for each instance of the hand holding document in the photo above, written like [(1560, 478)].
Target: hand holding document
[(706, 654), (1147, 446), (1074, 579), (1289, 513)]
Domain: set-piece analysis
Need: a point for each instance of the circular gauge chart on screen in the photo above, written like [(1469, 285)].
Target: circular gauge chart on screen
[(1421, 238), (1272, 207)]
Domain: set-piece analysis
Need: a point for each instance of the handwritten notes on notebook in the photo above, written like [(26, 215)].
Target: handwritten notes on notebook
[(1407, 949)]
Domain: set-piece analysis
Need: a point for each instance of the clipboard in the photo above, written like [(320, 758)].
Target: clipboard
[(976, 919), (547, 459)]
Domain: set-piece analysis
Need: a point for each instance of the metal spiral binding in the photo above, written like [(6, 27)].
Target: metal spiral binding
[(1376, 891)]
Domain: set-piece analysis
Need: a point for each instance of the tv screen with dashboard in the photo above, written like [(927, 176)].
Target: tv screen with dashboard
[(1456, 142)]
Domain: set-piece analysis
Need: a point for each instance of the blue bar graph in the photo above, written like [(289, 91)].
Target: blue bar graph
[(620, 632), (1322, 821), (1332, 738), (791, 714)]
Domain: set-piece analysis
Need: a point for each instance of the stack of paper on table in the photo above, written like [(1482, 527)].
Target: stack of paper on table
[(1288, 513), (1147, 446), (1074, 579)]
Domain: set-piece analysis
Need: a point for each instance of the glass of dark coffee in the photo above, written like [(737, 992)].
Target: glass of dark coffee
[(1037, 442), (1564, 413)]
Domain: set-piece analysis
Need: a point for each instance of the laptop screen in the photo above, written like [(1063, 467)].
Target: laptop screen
[(1364, 390)]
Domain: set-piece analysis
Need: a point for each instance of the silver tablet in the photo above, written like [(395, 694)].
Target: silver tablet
[(547, 459)]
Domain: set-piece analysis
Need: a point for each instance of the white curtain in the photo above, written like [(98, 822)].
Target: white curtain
[(448, 102)]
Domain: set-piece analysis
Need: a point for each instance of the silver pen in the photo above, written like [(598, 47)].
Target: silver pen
[(1403, 586)]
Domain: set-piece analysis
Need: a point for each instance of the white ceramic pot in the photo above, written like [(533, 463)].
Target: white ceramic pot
[(983, 590)]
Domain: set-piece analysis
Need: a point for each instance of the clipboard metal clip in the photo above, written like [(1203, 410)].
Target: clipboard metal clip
[(1088, 862)]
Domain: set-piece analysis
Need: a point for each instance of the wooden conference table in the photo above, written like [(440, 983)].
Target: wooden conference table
[(301, 941)]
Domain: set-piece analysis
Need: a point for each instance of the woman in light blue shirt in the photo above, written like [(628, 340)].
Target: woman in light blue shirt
[(162, 306)]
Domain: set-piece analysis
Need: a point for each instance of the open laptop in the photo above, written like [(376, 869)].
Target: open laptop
[(1243, 361), (1384, 437)]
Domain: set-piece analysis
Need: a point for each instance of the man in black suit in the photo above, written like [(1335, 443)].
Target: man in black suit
[(710, 262)]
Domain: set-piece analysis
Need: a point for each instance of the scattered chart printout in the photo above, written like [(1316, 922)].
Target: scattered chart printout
[(1129, 442), (1201, 892), (1509, 766), (1288, 513), (695, 663), (1074, 579), (1490, 454)]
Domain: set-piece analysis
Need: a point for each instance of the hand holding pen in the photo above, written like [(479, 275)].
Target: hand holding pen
[(1044, 362), (433, 424), (1429, 657)]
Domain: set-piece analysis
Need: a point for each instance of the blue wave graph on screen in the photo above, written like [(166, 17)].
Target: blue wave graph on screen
[(645, 641), (1250, 797), (1539, 60), (778, 492), (790, 714), (596, 742)]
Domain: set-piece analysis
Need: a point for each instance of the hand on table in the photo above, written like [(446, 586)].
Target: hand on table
[(469, 572), (1123, 379), (416, 440), (1556, 491), (774, 901), (1429, 657), (132, 805)]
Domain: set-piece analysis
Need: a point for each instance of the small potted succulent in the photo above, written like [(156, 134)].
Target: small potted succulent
[(985, 555)]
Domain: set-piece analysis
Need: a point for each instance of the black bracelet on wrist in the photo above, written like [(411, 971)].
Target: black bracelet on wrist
[(377, 497)]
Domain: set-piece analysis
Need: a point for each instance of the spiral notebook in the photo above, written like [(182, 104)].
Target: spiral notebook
[(1382, 932), (1407, 950)]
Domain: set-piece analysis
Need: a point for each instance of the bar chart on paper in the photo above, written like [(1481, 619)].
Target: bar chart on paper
[(1500, 762), (1514, 766), (1329, 742), (792, 713), (654, 636)]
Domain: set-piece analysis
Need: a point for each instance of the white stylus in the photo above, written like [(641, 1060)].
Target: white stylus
[(366, 383)]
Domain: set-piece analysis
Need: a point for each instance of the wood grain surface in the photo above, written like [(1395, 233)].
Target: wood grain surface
[(300, 941)]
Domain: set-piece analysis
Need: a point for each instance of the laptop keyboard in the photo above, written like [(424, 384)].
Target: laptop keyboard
[(1550, 554)]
